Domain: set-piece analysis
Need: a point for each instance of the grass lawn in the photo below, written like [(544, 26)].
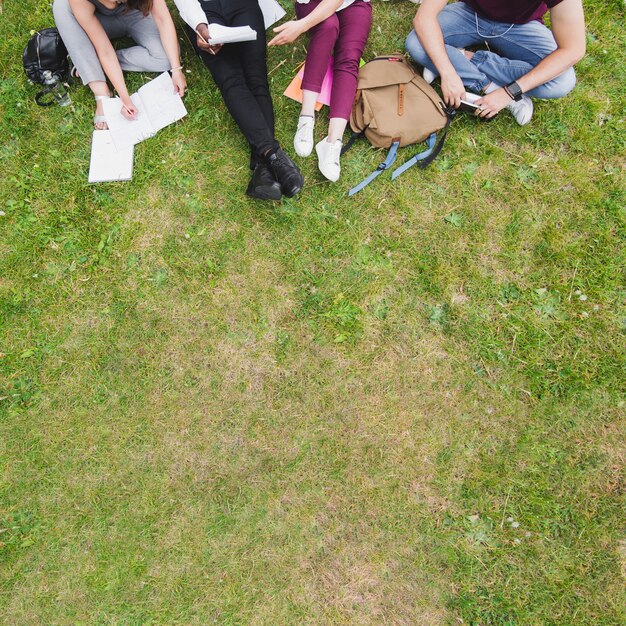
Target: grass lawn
[(405, 407)]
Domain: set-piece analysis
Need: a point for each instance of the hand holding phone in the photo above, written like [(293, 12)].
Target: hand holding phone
[(470, 105)]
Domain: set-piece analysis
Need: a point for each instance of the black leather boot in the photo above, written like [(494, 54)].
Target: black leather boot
[(263, 185), (286, 172)]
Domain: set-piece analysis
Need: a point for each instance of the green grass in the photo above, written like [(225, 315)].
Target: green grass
[(402, 408)]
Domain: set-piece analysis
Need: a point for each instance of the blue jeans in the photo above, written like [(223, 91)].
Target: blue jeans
[(513, 51)]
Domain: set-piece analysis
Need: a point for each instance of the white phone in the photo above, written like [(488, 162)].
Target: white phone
[(471, 105)]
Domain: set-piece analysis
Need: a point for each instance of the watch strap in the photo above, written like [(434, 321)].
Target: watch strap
[(514, 91)]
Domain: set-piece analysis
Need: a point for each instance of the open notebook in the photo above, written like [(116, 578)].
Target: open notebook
[(157, 105)]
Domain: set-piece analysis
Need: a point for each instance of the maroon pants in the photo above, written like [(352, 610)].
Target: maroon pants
[(344, 33)]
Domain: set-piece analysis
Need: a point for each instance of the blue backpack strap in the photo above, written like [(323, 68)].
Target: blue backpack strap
[(386, 164), (428, 156), (430, 142)]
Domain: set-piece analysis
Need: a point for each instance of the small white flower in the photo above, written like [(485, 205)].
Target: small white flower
[(187, 235), (582, 297), (509, 519), (578, 292), (584, 314), (515, 525), (2, 213), (516, 540)]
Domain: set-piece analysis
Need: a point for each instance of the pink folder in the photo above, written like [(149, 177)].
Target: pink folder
[(294, 90)]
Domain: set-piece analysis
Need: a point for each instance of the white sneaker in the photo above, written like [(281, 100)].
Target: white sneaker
[(522, 110), (303, 139), (328, 155), (428, 75)]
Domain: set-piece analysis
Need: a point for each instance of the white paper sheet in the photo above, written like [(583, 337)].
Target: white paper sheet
[(107, 163), (230, 34)]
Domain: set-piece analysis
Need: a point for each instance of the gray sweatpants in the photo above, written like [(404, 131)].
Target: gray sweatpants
[(147, 56)]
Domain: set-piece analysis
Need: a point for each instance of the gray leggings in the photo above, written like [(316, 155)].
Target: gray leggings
[(147, 56)]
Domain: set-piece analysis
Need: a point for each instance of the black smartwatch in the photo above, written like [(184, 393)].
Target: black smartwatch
[(514, 90)]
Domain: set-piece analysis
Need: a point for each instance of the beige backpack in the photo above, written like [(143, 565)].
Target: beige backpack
[(396, 107)]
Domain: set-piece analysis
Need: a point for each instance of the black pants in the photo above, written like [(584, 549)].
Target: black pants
[(240, 72)]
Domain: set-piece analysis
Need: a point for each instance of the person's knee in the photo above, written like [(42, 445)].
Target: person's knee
[(560, 86), (566, 82), (160, 58), (61, 9), (230, 82), (329, 27), (155, 48), (348, 64), (415, 49), (258, 84)]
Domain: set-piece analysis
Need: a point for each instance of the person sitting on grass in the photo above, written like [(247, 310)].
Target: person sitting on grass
[(87, 27), (240, 72), (342, 27), (523, 58)]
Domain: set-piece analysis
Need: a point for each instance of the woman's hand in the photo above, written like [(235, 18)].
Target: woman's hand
[(287, 33), (453, 89), (180, 84), (493, 103), (129, 110)]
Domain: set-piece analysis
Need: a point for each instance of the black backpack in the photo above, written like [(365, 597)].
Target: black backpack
[(45, 51)]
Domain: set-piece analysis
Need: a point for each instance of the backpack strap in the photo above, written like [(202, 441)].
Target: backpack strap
[(430, 142), (386, 164), (426, 157), (353, 137)]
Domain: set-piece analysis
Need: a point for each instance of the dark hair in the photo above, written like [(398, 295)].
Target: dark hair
[(145, 6)]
